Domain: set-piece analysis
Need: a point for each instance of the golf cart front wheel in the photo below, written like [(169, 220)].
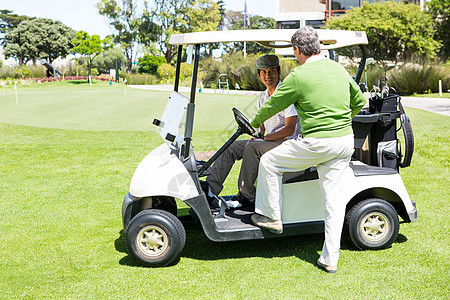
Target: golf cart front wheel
[(372, 224), (155, 238)]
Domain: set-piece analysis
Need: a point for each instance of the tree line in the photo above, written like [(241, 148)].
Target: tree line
[(395, 30)]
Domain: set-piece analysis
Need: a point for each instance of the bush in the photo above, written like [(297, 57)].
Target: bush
[(166, 72), (149, 64), (7, 72), (139, 79), (412, 78), (107, 60), (239, 70)]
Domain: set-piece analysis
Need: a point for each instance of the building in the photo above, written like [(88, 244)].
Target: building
[(294, 14)]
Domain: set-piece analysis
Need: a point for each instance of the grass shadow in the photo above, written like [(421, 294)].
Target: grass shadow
[(305, 247), (199, 247)]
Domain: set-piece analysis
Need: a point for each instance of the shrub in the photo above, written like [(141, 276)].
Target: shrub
[(166, 72), (139, 79), (420, 78), (22, 71), (37, 71), (239, 70), (149, 64), (7, 72), (94, 72)]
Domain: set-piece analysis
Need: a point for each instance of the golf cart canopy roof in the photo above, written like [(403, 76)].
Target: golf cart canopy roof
[(274, 38)]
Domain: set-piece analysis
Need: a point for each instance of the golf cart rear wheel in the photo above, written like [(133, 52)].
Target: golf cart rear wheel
[(372, 224), (155, 238)]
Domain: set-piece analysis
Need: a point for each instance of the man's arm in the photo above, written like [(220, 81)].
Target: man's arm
[(262, 129), (283, 97), (357, 99), (289, 127)]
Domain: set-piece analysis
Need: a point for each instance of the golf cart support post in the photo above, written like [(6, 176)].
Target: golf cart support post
[(274, 38)]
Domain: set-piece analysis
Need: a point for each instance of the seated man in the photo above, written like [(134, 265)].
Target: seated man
[(279, 128)]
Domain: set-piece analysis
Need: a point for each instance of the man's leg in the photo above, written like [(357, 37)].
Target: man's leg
[(333, 175), (249, 168), (222, 166)]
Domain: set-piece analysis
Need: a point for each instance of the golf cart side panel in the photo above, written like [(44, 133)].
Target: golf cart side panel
[(162, 173), (383, 183), (307, 206)]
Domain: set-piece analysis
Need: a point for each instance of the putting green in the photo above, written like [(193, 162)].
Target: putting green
[(101, 107)]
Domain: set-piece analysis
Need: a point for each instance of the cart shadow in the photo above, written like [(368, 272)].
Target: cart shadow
[(199, 247)]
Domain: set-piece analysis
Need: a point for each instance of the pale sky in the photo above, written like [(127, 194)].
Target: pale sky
[(83, 14)]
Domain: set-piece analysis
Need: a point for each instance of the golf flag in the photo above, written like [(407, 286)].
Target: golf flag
[(247, 16)]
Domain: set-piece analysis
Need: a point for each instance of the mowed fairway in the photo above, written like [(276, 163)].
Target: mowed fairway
[(67, 154)]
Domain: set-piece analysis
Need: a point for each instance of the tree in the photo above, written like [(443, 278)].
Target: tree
[(394, 30), (38, 39), (125, 22), (236, 22), (178, 16), (222, 12), (89, 46), (167, 16), (9, 21), (202, 15), (107, 60), (440, 10), (150, 64)]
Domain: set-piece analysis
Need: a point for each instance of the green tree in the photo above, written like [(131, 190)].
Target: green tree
[(440, 10), (394, 30), (149, 64), (236, 21), (222, 11), (89, 46), (178, 16), (202, 15), (168, 18), (38, 39), (107, 60), (125, 22), (9, 21)]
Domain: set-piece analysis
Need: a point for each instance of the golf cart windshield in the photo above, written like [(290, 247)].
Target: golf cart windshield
[(170, 124)]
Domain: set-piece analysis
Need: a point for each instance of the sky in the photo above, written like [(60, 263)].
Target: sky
[(83, 14)]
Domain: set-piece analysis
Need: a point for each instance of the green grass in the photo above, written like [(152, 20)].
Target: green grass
[(60, 212), (432, 95)]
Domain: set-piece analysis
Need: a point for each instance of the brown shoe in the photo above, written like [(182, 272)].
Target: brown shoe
[(328, 269), (275, 226)]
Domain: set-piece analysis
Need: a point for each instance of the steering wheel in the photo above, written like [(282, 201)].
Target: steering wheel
[(243, 122)]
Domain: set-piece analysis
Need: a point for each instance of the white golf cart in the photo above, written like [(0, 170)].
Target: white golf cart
[(155, 236)]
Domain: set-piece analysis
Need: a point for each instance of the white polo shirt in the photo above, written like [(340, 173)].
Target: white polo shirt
[(277, 122)]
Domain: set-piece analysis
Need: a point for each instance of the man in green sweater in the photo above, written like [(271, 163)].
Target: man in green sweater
[(326, 99)]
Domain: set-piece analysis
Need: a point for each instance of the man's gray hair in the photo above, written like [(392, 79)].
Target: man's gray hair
[(307, 40)]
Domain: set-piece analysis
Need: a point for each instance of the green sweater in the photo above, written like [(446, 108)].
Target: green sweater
[(325, 96)]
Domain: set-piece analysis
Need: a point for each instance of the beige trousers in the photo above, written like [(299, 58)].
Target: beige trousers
[(250, 153), (331, 156)]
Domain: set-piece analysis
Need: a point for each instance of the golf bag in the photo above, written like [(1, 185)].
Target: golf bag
[(385, 150)]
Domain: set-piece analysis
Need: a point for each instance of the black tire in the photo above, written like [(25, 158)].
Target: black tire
[(155, 238), (372, 224)]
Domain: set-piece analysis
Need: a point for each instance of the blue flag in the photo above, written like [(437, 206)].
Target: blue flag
[(247, 16)]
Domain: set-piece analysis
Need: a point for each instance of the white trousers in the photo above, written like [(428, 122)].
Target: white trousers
[(331, 156)]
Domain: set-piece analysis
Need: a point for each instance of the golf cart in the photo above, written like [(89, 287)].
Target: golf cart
[(155, 236)]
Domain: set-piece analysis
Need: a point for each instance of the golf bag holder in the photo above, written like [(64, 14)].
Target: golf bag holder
[(380, 123)]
